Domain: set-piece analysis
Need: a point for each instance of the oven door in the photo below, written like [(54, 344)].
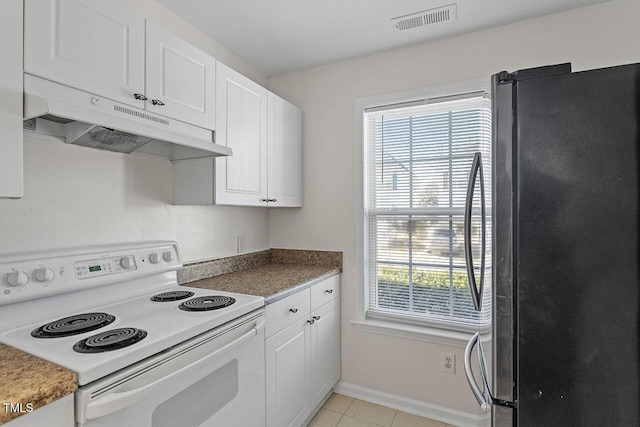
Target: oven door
[(214, 379)]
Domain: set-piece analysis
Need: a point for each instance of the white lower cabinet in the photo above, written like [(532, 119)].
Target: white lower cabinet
[(288, 363), (325, 350), (302, 352), (56, 414)]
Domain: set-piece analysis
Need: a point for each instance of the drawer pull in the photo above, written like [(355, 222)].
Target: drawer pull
[(329, 291), (293, 310), (311, 322), (316, 318)]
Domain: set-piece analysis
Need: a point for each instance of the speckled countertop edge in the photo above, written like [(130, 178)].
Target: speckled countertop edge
[(27, 379)]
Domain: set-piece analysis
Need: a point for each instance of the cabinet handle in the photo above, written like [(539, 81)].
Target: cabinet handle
[(316, 318), (329, 291), (311, 322), (264, 200), (273, 200), (140, 97), (157, 102), (293, 310)]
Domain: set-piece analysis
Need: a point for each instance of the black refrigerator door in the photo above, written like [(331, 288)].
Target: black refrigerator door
[(577, 249)]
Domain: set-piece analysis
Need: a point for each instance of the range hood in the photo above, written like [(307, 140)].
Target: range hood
[(82, 118)]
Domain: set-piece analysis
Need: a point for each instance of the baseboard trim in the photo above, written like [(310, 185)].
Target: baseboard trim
[(411, 406)]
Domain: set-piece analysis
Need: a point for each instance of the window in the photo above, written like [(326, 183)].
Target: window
[(417, 161)]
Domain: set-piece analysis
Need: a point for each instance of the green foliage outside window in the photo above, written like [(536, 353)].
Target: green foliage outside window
[(429, 290)]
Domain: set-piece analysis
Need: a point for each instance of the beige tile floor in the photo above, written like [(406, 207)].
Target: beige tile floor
[(343, 411)]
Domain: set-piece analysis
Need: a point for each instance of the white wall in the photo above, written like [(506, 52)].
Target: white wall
[(80, 196), (595, 36)]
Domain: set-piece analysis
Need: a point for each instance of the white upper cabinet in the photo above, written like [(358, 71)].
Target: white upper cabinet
[(103, 48), (92, 45), (180, 79), (265, 133), (241, 118), (284, 153)]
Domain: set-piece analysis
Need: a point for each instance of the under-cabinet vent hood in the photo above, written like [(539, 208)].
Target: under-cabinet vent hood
[(89, 120)]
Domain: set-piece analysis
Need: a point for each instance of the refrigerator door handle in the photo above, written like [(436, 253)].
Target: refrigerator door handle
[(477, 392), (476, 290), (484, 398)]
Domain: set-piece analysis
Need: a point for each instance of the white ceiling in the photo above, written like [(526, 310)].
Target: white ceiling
[(280, 36)]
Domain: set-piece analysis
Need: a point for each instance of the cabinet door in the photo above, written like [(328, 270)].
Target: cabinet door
[(241, 124), (287, 376), (285, 153), (56, 414), (180, 79), (92, 45), (11, 163), (325, 350)]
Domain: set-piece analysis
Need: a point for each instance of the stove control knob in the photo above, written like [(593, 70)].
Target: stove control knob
[(126, 262), (168, 256), (43, 275), (17, 279), (154, 258)]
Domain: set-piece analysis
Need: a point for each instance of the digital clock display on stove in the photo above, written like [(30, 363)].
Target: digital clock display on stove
[(93, 268)]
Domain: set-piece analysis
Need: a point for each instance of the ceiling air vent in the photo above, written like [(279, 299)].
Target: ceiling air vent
[(426, 17)]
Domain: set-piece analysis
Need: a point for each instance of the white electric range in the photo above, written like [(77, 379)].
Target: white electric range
[(147, 352)]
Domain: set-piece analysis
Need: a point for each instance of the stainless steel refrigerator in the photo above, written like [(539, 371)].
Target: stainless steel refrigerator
[(565, 341)]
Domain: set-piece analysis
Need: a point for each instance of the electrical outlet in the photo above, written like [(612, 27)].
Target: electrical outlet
[(242, 243), (448, 363)]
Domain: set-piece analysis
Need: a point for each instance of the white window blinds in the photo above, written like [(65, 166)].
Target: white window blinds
[(417, 161)]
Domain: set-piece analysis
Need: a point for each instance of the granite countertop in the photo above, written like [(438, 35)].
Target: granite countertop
[(26, 379), (272, 274), (271, 281)]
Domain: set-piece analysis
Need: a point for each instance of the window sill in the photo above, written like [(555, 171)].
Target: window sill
[(414, 332)]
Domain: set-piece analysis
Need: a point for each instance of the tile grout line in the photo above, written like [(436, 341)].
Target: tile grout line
[(394, 418), (345, 411), (395, 414), (343, 415)]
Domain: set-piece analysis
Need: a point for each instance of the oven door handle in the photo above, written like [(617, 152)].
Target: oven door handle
[(115, 402)]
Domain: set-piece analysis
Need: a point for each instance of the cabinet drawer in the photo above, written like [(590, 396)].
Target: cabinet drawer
[(325, 291), (286, 311)]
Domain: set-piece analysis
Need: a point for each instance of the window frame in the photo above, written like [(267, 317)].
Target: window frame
[(392, 324)]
